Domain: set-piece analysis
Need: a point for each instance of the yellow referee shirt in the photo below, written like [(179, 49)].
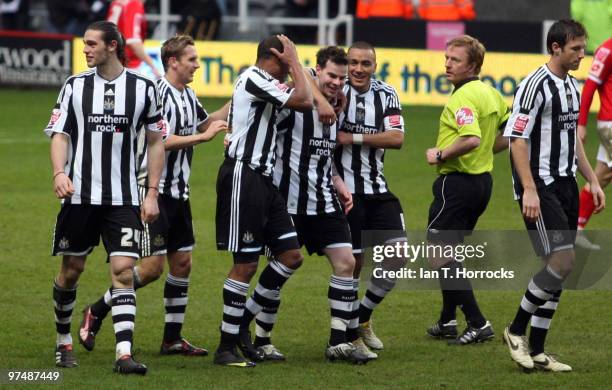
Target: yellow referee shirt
[(477, 109)]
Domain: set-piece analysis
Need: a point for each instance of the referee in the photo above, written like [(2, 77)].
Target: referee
[(463, 156)]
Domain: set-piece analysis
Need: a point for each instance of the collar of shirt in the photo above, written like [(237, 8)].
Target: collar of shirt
[(463, 82)]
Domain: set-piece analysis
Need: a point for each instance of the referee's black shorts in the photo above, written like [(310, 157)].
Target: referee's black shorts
[(555, 229), (459, 200), (251, 214)]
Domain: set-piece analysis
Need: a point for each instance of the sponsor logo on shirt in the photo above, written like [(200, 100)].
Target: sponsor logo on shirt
[(107, 123), (464, 116), (520, 123), (395, 120), (55, 115)]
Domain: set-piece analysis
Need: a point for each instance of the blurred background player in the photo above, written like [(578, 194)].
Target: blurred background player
[(468, 137), (171, 235), (600, 79), (94, 129), (251, 213), (129, 16), (545, 153), (371, 122)]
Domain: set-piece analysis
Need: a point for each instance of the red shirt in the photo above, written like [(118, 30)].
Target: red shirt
[(129, 16), (600, 79)]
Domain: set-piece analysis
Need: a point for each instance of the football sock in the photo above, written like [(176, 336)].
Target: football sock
[(102, 306), (341, 297), (540, 323), (540, 289), (267, 291), (64, 299), (234, 298), (377, 290), (586, 208), (175, 302), (264, 322), (351, 330), (124, 314)]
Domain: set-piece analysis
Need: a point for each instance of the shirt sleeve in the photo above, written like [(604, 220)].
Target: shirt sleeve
[(466, 118), (271, 91), (393, 119), (154, 121), (131, 24), (201, 114), (59, 122), (527, 101), (601, 66)]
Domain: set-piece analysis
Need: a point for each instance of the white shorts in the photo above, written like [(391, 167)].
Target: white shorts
[(604, 154)]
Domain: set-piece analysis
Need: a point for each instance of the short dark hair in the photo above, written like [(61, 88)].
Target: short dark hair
[(335, 54), (563, 31), (174, 47), (363, 45), (263, 49), (110, 32)]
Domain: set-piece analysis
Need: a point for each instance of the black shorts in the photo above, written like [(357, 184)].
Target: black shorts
[(317, 232), (173, 229), (375, 213), (251, 213), (459, 200), (555, 229), (79, 227)]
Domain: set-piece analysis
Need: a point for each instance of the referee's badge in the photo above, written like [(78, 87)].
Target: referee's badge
[(464, 116)]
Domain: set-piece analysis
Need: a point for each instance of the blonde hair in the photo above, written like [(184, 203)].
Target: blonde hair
[(475, 49), (174, 47)]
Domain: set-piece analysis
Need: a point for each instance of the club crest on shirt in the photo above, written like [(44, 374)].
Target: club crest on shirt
[(109, 104), (520, 123), (464, 116), (247, 237)]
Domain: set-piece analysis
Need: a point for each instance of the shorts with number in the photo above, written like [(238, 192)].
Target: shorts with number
[(555, 229), (317, 232), (172, 231), (375, 219), (251, 213), (79, 227)]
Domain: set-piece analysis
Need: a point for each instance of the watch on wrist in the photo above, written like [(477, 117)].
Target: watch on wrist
[(439, 156)]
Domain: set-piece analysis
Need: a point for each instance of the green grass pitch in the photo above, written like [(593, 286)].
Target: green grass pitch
[(580, 332)]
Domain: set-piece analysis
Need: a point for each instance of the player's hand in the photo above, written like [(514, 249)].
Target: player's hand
[(346, 198), (62, 185), (340, 103), (289, 54), (327, 114), (213, 129), (431, 156), (582, 133), (344, 138), (149, 210), (531, 205), (226, 141), (599, 198)]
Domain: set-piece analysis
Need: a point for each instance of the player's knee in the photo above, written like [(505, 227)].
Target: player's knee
[(72, 267), (344, 264), (243, 272), (124, 277), (180, 266), (292, 259)]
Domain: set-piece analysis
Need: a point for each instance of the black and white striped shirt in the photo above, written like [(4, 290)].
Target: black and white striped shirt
[(252, 119), (302, 172), (374, 111), (103, 120), (545, 113), (184, 113)]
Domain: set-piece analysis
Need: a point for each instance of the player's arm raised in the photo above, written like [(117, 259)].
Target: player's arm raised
[(301, 98)]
